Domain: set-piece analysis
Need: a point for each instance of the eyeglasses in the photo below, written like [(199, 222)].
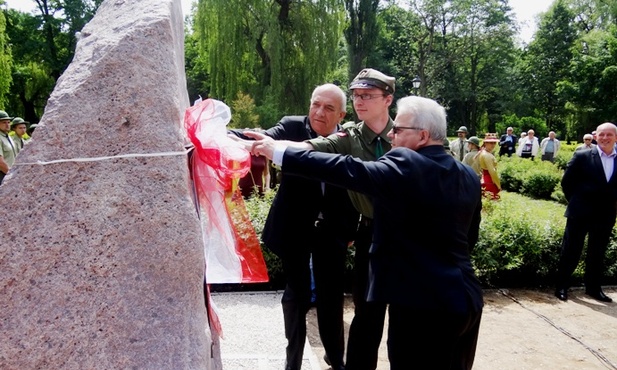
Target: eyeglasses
[(587, 139), (396, 129), (365, 96)]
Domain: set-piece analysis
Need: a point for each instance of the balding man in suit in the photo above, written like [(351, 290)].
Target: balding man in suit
[(590, 185)]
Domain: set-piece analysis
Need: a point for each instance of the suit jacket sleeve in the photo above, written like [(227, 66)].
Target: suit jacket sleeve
[(572, 175), (342, 170)]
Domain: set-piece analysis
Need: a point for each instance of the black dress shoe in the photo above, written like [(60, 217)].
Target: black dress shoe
[(562, 294), (599, 295), (327, 360)]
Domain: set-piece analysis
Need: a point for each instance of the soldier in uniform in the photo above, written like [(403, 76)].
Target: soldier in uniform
[(458, 146), (371, 93), (8, 152), (18, 125)]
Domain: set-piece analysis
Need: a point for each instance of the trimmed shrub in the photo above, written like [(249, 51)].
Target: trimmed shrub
[(519, 243), (539, 184), (536, 179), (518, 246)]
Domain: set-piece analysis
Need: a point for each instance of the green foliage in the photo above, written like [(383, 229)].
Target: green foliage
[(522, 124), (536, 179), (251, 45), (593, 82), (361, 32), (32, 84), (547, 61), (43, 45), (196, 68), (243, 112), (258, 208), (519, 242), (540, 184), (5, 63), (268, 112)]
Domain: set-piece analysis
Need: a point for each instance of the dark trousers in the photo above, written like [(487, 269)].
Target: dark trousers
[(599, 232), (328, 271), (548, 156), (367, 325), (431, 339)]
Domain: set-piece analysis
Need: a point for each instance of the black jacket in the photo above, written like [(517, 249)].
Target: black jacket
[(300, 201), (420, 252), (585, 187)]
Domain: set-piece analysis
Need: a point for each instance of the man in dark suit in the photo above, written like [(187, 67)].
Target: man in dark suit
[(590, 185), (507, 143), (311, 219), (419, 258)]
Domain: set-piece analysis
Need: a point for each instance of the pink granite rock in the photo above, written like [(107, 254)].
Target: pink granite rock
[(101, 262)]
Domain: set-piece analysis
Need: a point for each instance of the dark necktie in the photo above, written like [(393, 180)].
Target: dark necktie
[(378, 148), (461, 152), (11, 143)]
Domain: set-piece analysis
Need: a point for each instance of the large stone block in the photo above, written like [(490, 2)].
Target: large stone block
[(101, 262)]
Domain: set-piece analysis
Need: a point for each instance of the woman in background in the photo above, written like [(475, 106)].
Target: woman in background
[(488, 164)]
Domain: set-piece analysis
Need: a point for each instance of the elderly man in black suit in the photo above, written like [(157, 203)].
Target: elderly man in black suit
[(590, 185), (419, 257), (507, 143), (311, 219)]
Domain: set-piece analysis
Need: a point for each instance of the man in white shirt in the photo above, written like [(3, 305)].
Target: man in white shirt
[(550, 146)]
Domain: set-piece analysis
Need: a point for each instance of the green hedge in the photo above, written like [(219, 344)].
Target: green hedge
[(536, 179), (519, 243)]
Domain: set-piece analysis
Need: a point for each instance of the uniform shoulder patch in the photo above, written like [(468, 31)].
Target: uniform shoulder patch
[(349, 125)]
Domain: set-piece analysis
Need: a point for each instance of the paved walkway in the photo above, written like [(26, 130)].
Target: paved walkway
[(520, 330)]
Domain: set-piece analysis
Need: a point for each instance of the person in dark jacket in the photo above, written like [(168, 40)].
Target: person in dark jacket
[(507, 143), (590, 185), (311, 219)]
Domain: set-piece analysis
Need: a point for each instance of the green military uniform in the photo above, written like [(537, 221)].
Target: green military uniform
[(359, 141), (7, 152), (8, 148)]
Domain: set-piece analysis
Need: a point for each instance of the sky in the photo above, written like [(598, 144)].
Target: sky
[(525, 11)]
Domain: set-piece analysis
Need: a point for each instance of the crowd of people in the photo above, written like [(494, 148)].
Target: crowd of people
[(14, 134)]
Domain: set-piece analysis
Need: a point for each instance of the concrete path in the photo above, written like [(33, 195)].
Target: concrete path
[(521, 329)]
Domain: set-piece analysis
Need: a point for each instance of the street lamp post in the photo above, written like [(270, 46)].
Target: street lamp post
[(416, 82)]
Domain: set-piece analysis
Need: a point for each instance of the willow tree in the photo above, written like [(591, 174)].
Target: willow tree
[(5, 62), (275, 50), (361, 32)]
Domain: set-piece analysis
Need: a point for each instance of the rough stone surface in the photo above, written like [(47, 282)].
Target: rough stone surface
[(101, 262)]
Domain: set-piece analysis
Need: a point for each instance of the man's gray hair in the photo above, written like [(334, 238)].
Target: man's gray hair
[(337, 90), (425, 114)]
